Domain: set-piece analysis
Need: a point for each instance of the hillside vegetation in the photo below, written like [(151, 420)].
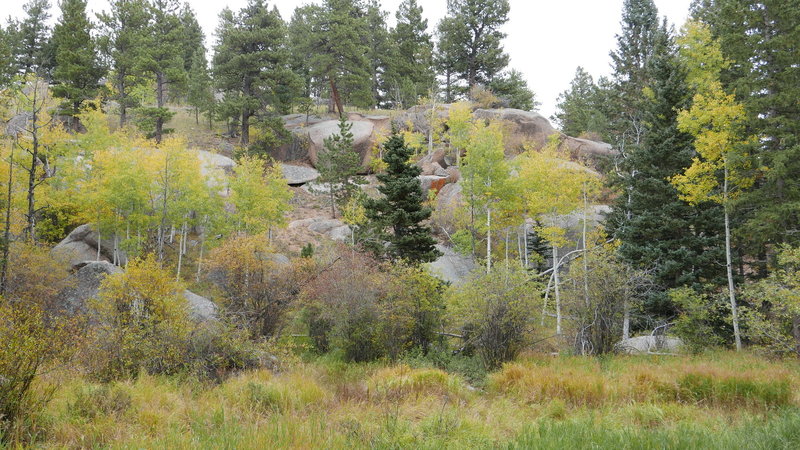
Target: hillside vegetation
[(329, 232)]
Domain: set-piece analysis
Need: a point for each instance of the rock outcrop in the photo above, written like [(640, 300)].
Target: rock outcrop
[(333, 229), (451, 266), (650, 344), (80, 246), (297, 175)]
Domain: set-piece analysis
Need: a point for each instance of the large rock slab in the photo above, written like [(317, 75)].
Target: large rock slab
[(333, 229), (451, 266), (81, 246), (650, 344), (297, 175), (201, 309)]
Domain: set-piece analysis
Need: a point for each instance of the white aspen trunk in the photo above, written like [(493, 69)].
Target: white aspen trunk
[(488, 240), (115, 258), (200, 259), (180, 251), (729, 263), (172, 234), (98, 243), (586, 298), (626, 320), (525, 242), (556, 290), (507, 232), (519, 248), (546, 297)]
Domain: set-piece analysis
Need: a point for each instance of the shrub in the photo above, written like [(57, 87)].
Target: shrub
[(495, 312), (96, 400), (30, 342), (698, 318), (143, 323), (257, 288), (369, 310)]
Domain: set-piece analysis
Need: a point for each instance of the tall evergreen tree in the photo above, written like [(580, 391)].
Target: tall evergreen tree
[(123, 40), (401, 208), (193, 36), (471, 40), (7, 62), (200, 93), (32, 38), (162, 59), (411, 73), (760, 38), (577, 111), (77, 70), (338, 50), (681, 243), (381, 49), (251, 62)]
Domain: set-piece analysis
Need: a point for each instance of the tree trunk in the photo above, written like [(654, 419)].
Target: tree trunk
[(488, 240), (729, 263), (336, 99), (586, 298), (160, 82), (7, 225), (556, 290), (30, 230)]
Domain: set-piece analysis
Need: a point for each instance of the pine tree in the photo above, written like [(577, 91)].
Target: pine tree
[(77, 70), (470, 36), (513, 89), (577, 111), (32, 38), (411, 72), (338, 165), (657, 229), (251, 62), (381, 49), (162, 60), (401, 208), (199, 87), (123, 40), (7, 63)]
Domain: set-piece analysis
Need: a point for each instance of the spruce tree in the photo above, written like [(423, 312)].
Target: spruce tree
[(512, 88), (398, 215), (578, 111), (7, 65), (338, 165), (77, 70), (760, 38), (658, 230)]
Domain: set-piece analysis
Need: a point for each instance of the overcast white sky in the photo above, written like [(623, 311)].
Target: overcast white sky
[(546, 40)]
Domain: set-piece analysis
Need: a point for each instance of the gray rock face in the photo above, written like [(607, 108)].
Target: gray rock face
[(332, 228), (81, 246), (292, 121), (201, 309), (298, 175), (428, 182), (451, 266), (314, 136), (449, 199), (650, 344), (532, 125), (86, 285)]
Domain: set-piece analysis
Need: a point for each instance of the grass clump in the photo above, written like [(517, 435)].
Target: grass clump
[(402, 381)]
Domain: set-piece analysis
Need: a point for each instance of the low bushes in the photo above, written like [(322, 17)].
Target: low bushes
[(402, 381)]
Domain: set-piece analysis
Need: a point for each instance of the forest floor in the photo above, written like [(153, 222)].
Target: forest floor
[(716, 400)]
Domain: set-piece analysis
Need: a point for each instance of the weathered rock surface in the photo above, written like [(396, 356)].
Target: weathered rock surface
[(81, 246), (85, 285), (332, 228), (435, 182), (448, 201), (650, 344), (200, 308), (309, 141), (298, 175), (451, 266)]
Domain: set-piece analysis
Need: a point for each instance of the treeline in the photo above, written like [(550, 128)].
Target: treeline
[(706, 121), (141, 54)]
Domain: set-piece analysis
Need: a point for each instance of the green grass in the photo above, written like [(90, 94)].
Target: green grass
[(721, 400)]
